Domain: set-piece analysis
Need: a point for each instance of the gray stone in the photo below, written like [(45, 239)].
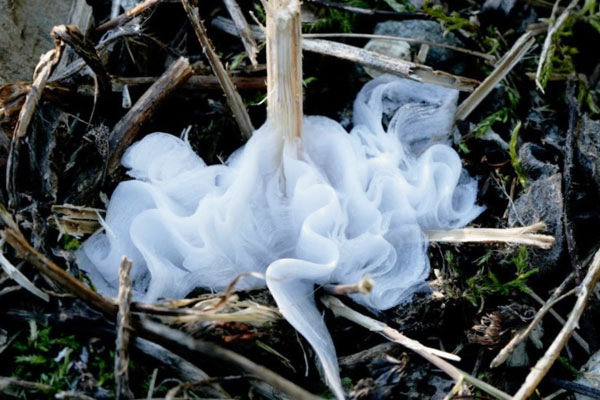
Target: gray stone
[(430, 31), (542, 201), (390, 48)]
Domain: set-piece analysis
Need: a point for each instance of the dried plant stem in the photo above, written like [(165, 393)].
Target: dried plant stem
[(431, 355), (521, 236), (363, 287), (553, 29), (233, 97), (207, 350), (284, 66), (485, 56), (504, 66), (584, 345), (544, 364), (243, 29), (524, 334), (40, 76), (16, 275), (85, 49), (123, 327), (129, 126), (128, 15), (396, 66), (17, 241)]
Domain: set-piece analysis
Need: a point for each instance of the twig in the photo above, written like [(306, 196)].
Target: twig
[(522, 236), (485, 56), (431, 355), (123, 326), (86, 50), (584, 345), (212, 351), (406, 69), (16, 275), (545, 363), (40, 76), (127, 16), (128, 127), (243, 29), (524, 334), (553, 29), (504, 66), (284, 67), (233, 97), (18, 242)]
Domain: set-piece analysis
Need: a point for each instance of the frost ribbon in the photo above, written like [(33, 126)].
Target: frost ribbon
[(327, 209)]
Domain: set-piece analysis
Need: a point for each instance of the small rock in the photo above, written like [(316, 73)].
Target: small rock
[(532, 158), (391, 48), (504, 6), (430, 31), (542, 201)]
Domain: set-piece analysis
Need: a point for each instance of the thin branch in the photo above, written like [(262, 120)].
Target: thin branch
[(123, 326), (521, 236), (128, 15), (504, 66), (545, 363), (211, 351), (396, 66), (16, 275), (431, 355), (233, 97), (85, 49), (524, 334), (125, 131), (485, 56), (243, 29)]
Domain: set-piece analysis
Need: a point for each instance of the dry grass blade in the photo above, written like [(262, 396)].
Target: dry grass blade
[(123, 327), (553, 29), (76, 220), (522, 236), (504, 66), (233, 97), (431, 355), (16, 275), (544, 364)]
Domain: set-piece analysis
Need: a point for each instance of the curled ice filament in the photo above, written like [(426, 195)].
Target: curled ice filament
[(327, 210)]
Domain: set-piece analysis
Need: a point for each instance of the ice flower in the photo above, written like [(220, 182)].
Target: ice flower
[(322, 207)]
